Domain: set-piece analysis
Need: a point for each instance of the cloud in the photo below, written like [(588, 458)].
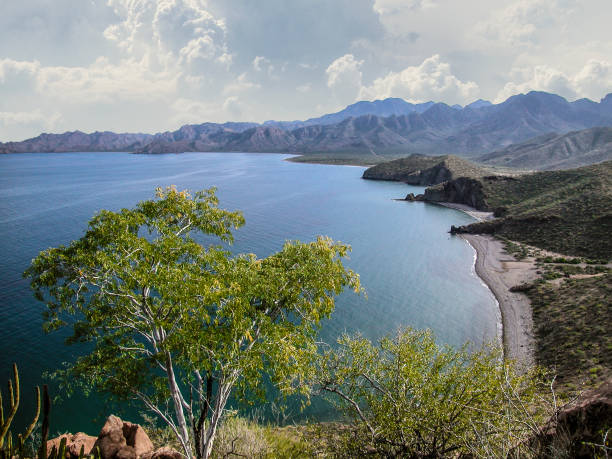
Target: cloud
[(233, 107), (10, 68), (304, 88), (17, 125), (102, 81), (523, 21), (260, 62), (344, 76), (432, 80), (594, 80), (241, 84), (169, 32), (385, 7)]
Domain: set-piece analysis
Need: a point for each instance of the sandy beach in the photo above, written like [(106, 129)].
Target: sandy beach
[(475, 213), (500, 271)]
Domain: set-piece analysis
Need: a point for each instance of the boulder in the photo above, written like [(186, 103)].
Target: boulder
[(122, 440), (79, 440), (74, 442), (55, 442), (136, 437)]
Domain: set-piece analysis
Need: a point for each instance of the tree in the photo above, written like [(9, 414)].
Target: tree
[(409, 397), (178, 325)]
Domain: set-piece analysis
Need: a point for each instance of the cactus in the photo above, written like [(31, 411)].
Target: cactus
[(14, 404), (42, 452), (7, 448)]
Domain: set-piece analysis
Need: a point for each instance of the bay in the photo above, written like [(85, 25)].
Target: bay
[(414, 272)]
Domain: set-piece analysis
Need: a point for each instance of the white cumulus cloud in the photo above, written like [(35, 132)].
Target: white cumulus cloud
[(431, 80), (169, 32), (594, 80), (520, 22)]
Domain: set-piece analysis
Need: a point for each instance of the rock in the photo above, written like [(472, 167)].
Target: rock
[(164, 452), (55, 442), (136, 437), (79, 440), (122, 440), (580, 424), (74, 442)]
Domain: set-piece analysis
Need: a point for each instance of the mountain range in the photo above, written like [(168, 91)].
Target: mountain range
[(390, 126)]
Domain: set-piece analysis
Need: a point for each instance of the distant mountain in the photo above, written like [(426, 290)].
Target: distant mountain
[(479, 104), (77, 141), (382, 108), (439, 128), (430, 128), (553, 151)]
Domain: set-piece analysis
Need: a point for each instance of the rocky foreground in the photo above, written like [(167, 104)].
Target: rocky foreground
[(117, 440)]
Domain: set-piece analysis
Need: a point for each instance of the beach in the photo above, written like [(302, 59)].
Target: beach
[(501, 271)]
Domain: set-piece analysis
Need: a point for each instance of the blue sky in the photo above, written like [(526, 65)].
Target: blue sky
[(149, 66)]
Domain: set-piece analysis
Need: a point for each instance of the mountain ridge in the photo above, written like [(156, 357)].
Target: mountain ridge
[(553, 151), (430, 128)]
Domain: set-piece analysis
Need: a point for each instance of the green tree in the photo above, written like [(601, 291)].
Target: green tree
[(178, 325), (409, 397)]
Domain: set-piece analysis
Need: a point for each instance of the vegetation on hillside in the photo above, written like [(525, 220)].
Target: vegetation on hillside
[(425, 170), (572, 319), (571, 303), (567, 212)]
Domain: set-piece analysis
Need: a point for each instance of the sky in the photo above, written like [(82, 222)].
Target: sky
[(154, 65)]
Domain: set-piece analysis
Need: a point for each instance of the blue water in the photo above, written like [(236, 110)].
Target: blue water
[(414, 272)]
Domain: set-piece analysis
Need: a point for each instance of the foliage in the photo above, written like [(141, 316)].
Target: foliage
[(178, 325), (409, 397)]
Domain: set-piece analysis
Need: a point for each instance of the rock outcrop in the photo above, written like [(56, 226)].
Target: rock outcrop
[(117, 440), (122, 440), (73, 444), (581, 426), (424, 170)]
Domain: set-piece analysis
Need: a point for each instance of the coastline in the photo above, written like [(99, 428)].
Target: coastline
[(500, 271)]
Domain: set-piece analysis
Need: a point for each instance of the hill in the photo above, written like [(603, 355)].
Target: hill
[(553, 151), (424, 170), (566, 211)]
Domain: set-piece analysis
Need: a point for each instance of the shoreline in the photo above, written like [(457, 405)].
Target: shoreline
[(479, 215), (500, 271)]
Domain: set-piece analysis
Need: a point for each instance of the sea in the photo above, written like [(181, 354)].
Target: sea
[(414, 272)]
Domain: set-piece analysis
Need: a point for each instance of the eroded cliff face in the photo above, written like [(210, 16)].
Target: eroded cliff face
[(463, 190)]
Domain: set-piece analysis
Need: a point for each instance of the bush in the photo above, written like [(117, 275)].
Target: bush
[(409, 397)]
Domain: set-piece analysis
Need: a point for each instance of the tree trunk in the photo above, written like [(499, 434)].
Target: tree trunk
[(178, 408), (223, 392)]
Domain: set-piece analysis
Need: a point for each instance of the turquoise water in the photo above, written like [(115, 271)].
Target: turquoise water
[(414, 272)]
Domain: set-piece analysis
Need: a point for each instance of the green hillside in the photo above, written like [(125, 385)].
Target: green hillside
[(565, 211)]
